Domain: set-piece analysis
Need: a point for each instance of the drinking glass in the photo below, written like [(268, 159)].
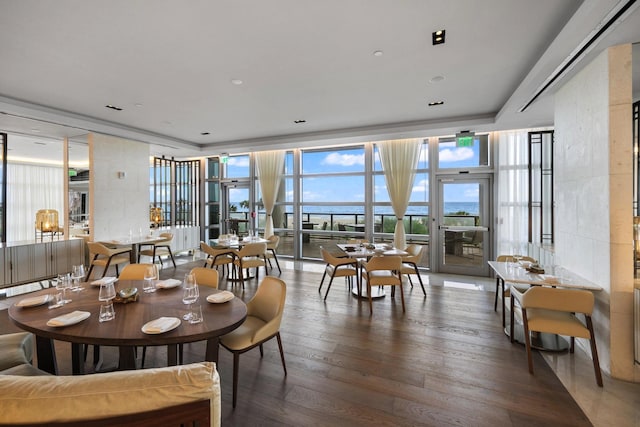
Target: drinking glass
[(150, 274), (107, 312), (62, 284), (107, 292), (190, 293), (77, 273)]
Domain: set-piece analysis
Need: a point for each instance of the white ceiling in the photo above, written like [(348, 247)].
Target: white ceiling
[(170, 64)]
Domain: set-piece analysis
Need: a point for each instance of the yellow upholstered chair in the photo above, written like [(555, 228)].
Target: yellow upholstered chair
[(217, 257), (501, 287), (383, 271), (274, 241), (160, 248), (410, 263), (136, 271), (105, 257), (553, 310), (206, 276), (252, 255), (337, 267), (264, 314)]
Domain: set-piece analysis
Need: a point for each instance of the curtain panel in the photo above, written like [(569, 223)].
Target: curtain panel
[(270, 168), (29, 189), (513, 192), (399, 160)]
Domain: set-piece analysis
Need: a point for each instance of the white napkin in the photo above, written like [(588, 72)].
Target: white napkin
[(168, 283), (161, 324), (219, 297), (69, 318), (104, 280), (31, 301)]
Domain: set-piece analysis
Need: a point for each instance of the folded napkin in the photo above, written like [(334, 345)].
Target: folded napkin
[(32, 301), (161, 324), (69, 318), (219, 297), (104, 281), (168, 283)]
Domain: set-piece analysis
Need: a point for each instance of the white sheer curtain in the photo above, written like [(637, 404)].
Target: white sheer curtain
[(399, 160), (29, 189), (513, 192), (269, 165)]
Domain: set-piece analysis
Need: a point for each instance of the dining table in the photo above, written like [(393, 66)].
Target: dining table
[(130, 327), (521, 274), (134, 242), (363, 252)]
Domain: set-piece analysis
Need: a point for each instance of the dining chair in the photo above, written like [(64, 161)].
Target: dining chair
[(206, 276), (135, 271), (251, 255), (501, 287), (410, 264), (217, 257), (553, 310), (105, 257), (160, 248), (272, 245), (383, 271), (264, 314), (337, 267)]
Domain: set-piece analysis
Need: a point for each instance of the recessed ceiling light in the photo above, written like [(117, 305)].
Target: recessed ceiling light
[(431, 104), (378, 53), (138, 105), (300, 121), (436, 79), (237, 82), (437, 37), (204, 133), (113, 107)]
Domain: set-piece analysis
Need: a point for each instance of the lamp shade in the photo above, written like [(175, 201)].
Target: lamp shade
[(155, 215), (47, 220)]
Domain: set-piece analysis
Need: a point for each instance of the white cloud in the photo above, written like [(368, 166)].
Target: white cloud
[(421, 186), (455, 155), (472, 193), (242, 161), (343, 159)]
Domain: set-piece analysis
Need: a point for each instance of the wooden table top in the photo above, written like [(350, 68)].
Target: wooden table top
[(125, 329)]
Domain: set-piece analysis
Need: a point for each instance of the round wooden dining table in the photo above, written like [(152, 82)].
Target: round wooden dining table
[(125, 331)]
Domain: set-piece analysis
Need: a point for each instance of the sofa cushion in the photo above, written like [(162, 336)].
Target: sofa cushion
[(26, 369), (42, 399), (15, 349)]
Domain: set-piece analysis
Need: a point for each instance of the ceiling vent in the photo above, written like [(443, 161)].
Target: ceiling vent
[(612, 18)]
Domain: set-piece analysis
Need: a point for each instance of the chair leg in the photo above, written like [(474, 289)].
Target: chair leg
[(172, 258), (322, 280), (594, 352), (512, 317), (370, 299), (420, 280), (328, 287), (106, 267), (495, 302), (402, 296), (284, 366), (527, 339), (503, 303), (236, 362), (275, 257)]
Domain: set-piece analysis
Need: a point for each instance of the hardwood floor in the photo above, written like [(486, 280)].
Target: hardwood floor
[(446, 361)]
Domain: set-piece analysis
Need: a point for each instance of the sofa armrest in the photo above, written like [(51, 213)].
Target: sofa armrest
[(63, 399)]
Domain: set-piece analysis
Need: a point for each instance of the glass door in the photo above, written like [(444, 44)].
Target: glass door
[(463, 225), (236, 207)]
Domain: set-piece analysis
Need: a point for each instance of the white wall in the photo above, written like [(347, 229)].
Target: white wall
[(593, 194), (118, 205)]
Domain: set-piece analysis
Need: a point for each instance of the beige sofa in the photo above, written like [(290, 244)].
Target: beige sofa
[(161, 396)]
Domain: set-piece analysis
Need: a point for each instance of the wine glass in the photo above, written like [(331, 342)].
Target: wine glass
[(77, 273), (190, 293), (62, 284), (107, 292), (150, 274)]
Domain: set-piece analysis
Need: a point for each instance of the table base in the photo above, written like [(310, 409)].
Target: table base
[(376, 292), (539, 340)]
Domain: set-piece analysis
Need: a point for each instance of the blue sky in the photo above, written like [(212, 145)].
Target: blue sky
[(350, 188)]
